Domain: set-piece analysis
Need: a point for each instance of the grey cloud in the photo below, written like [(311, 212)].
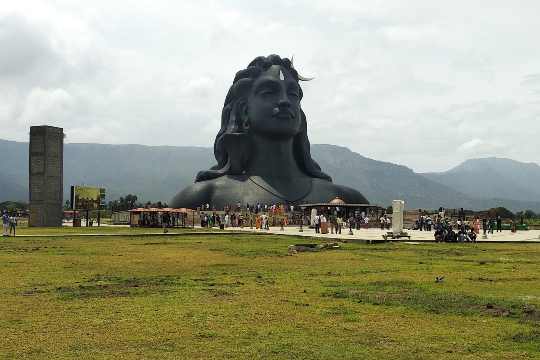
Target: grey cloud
[(418, 83), (23, 47)]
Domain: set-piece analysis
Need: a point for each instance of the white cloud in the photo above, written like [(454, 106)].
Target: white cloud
[(422, 83), (478, 147)]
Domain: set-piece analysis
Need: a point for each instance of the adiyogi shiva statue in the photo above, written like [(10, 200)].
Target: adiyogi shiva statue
[(262, 149)]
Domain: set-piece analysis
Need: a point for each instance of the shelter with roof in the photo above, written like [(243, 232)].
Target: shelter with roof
[(160, 217), (339, 206)]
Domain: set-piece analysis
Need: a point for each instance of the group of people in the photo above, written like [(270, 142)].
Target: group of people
[(444, 232), (252, 209), (489, 225), (334, 221), (466, 231), (223, 220), (262, 222), (385, 222), (232, 219), (9, 224), (358, 220), (423, 223), (156, 219)]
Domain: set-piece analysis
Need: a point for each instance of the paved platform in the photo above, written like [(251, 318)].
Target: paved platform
[(375, 235)]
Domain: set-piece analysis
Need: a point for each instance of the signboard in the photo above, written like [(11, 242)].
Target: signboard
[(87, 197)]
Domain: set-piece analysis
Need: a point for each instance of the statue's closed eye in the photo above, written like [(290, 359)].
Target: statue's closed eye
[(293, 94), (266, 91)]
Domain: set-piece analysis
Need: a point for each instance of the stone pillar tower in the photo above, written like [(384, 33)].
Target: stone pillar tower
[(46, 173), (398, 206)]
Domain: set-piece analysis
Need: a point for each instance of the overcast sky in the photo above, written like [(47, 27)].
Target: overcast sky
[(425, 84)]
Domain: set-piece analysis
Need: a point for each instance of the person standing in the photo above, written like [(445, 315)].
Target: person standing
[(323, 226), (5, 223), (441, 213), (382, 221), (477, 225), (499, 223), (351, 224), (491, 225), (429, 223), (333, 223), (12, 225), (264, 221)]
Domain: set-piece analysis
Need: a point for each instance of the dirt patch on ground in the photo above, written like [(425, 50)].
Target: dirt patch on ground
[(495, 279), (494, 310), (102, 286)]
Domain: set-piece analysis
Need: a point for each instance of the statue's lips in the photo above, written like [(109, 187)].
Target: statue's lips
[(284, 115)]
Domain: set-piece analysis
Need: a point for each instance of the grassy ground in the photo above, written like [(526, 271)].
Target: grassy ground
[(243, 297), (24, 230)]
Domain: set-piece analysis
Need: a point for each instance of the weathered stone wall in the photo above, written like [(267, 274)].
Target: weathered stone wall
[(46, 158)]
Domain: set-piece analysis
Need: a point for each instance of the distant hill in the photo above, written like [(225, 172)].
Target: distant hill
[(10, 189), (13, 171), (493, 178), (381, 182), (158, 172)]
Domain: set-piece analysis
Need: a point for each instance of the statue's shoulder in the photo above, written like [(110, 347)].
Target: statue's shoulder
[(214, 191), (330, 190), (194, 195)]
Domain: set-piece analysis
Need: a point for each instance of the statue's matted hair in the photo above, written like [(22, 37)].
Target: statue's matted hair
[(231, 125)]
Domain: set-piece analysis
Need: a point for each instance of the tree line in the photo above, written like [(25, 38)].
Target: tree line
[(130, 201)]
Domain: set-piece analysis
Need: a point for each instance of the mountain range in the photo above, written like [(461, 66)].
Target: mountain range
[(158, 172)]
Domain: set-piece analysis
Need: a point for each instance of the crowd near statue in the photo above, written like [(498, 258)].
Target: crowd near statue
[(262, 149)]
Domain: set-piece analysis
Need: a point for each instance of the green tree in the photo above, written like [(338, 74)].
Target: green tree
[(502, 212), (123, 203)]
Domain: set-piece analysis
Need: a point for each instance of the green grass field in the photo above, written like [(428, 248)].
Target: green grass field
[(242, 296), (24, 230)]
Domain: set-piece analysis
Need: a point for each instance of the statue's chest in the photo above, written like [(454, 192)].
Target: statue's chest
[(256, 190)]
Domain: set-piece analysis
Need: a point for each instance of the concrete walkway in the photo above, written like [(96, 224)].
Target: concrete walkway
[(375, 235)]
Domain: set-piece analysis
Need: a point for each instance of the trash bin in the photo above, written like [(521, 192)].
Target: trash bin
[(77, 222)]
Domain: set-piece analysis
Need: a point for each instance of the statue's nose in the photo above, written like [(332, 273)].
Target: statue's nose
[(284, 102)]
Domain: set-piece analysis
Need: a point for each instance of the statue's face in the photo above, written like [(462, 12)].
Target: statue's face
[(273, 106)]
